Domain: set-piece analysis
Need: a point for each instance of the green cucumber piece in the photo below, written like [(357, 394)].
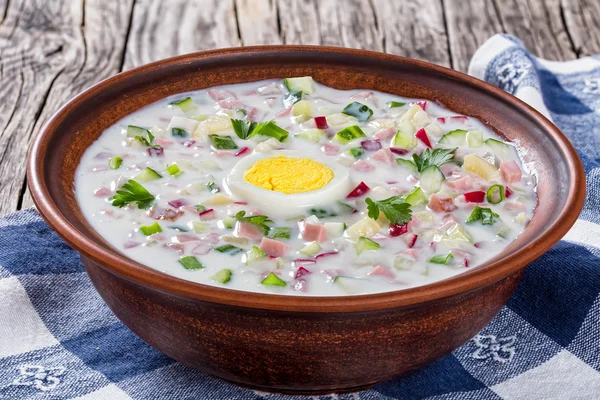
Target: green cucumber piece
[(499, 149), (403, 140), (147, 175), (407, 164), (349, 284), (349, 134), (115, 162), (457, 137), (178, 132), (190, 262), (303, 107), (253, 255), (133, 131), (148, 230), (432, 179), (223, 276), (334, 229), (304, 84), (442, 259), (416, 197), (311, 249), (291, 98), (273, 280), (314, 135), (186, 104), (365, 244), (358, 110), (229, 249), (357, 152), (229, 222), (458, 232), (200, 227), (174, 170), (474, 139), (394, 104)]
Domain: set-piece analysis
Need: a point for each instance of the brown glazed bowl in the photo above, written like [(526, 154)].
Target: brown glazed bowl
[(289, 343)]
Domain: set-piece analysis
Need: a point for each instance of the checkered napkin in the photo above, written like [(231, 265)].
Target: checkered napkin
[(59, 341)]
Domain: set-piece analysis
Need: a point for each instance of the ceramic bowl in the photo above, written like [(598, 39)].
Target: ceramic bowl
[(288, 343)]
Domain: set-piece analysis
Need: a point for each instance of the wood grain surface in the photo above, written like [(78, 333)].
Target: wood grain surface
[(51, 50)]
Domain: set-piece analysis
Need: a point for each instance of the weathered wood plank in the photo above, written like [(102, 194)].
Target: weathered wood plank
[(299, 22), (414, 28), (582, 18), (349, 24), (48, 53), (161, 29), (539, 25), (470, 23), (258, 22)]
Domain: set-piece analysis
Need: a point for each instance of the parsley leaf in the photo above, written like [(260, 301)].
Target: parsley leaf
[(395, 209), (243, 128), (436, 157), (133, 192), (258, 220)]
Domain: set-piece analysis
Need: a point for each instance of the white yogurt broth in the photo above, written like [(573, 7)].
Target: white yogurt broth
[(334, 247)]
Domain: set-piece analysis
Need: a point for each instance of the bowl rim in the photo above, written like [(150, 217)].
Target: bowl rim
[(477, 278)]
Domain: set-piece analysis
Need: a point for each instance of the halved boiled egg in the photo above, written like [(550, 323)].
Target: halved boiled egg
[(284, 183)]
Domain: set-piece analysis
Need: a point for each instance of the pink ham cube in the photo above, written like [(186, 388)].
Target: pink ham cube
[(220, 94), (385, 156), (247, 230), (461, 183), (382, 271), (230, 104), (386, 133), (273, 247), (510, 171), (314, 233), (362, 166), (440, 204)]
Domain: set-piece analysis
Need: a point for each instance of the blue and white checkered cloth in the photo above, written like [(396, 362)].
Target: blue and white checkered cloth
[(59, 341)]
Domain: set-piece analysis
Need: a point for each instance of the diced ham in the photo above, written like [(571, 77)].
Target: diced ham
[(230, 104), (385, 134), (165, 214), (284, 113), (102, 192), (449, 169), (247, 230), (251, 113), (163, 142), (178, 247), (273, 247), (461, 183), (187, 238), (224, 153), (271, 88), (314, 233), (362, 166), (330, 150), (385, 156), (220, 94), (201, 249), (382, 271), (361, 95), (410, 253), (516, 206), (130, 244), (510, 171), (441, 204)]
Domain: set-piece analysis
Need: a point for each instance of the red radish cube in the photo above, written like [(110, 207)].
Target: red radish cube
[(422, 136), (242, 151), (177, 203), (327, 254), (273, 247), (412, 241), (301, 272), (397, 230), (475, 197), (510, 171), (422, 104), (359, 190), (314, 233), (507, 192), (459, 117), (321, 122), (207, 215), (441, 120), (398, 151)]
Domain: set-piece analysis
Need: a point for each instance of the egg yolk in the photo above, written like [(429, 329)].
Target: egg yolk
[(288, 175)]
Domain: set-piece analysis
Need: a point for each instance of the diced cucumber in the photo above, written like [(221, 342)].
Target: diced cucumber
[(403, 263), (223, 276), (311, 249), (304, 84), (115, 162), (408, 165), (229, 249), (303, 107), (345, 208), (209, 164), (253, 255), (199, 118), (503, 231), (273, 280), (357, 152), (474, 139), (200, 227), (349, 134), (416, 197), (403, 140), (458, 232), (432, 179), (229, 222), (147, 175), (457, 137), (174, 170), (358, 110), (289, 99), (499, 149), (442, 259), (186, 104), (314, 135), (148, 230), (334, 229), (365, 244), (190, 262), (521, 218), (349, 284), (133, 131)]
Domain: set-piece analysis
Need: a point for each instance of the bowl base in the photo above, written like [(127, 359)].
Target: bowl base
[(305, 392)]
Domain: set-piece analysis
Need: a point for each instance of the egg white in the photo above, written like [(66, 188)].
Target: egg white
[(282, 205)]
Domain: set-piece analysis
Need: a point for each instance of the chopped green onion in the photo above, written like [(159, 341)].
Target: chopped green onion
[(270, 129), (213, 187), (349, 134), (229, 249), (223, 276), (485, 215), (115, 162), (357, 152), (133, 131), (186, 104), (394, 104), (346, 208), (174, 170), (291, 98), (495, 194), (200, 207), (447, 259), (241, 111), (190, 262), (222, 142), (364, 244), (150, 229), (273, 280), (280, 233), (253, 255), (358, 110), (179, 229), (178, 132), (321, 213)]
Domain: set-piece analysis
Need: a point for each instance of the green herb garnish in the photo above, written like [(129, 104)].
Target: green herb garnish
[(190, 262), (229, 249), (133, 192), (213, 187), (243, 128), (150, 229), (270, 129), (394, 104), (358, 110), (280, 233), (222, 142), (258, 220), (447, 259), (179, 229), (485, 215), (200, 207), (395, 209), (322, 213), (436, 157)]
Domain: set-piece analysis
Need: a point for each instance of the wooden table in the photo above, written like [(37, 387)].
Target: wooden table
[(52, 49)]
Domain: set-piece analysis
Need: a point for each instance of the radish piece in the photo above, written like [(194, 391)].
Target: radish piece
[(329, 253), (301, 272), (130, 244), (304, 261), (371, 145), (242, 151), (189, 143), (459, 117), (398, 151), (397, 230), (240, 203), (359, 190), (301, 285), (102, 192), (507, 192), (475, 197), (412, 241), (207, 215), (441, 120), (422, 136), (155, 151), (422, 104), (382, 271), (321, 122), (177, 203)]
